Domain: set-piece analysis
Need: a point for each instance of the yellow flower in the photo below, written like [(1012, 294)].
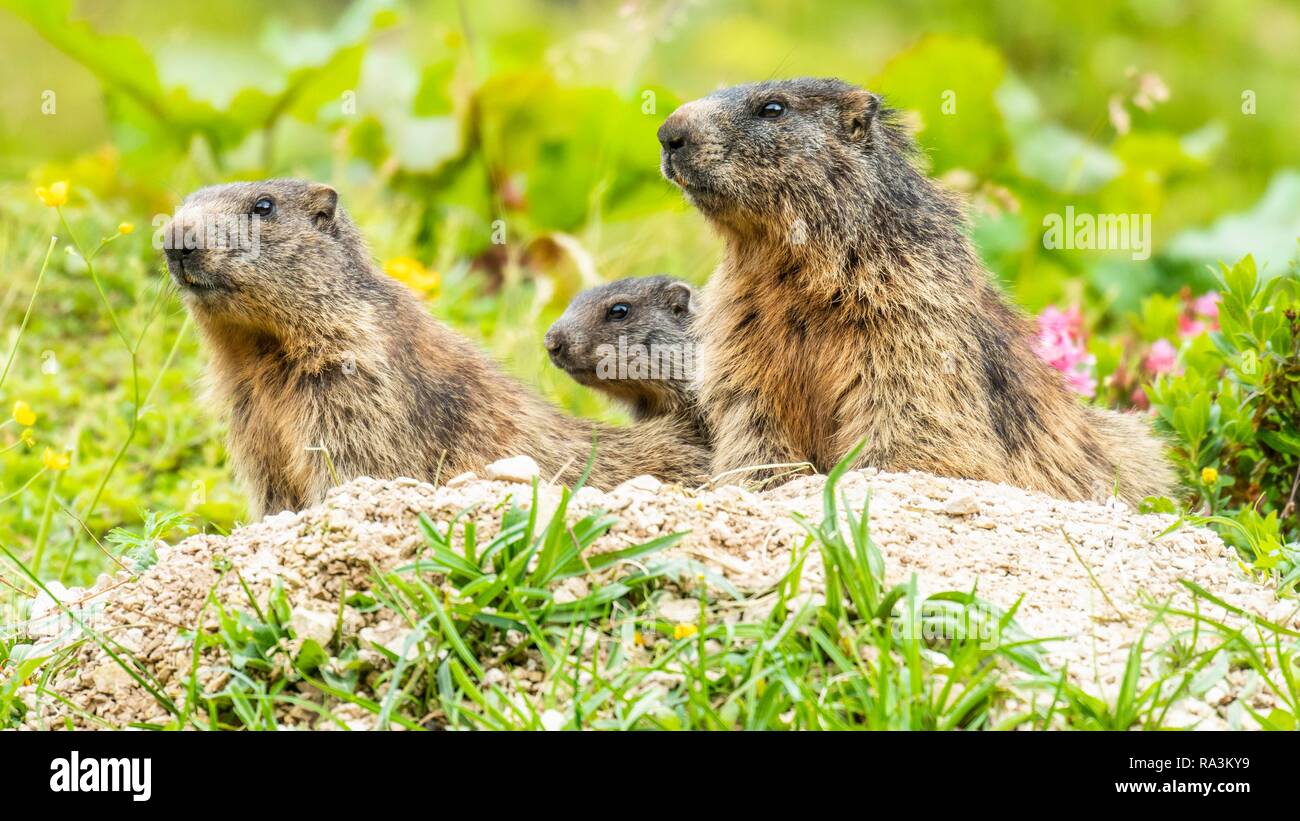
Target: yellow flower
[(125, 228), (55, 195), (56, 461), (28, 437), (1209, 475), (638, 638), (682, 631), (412, 273), (23, 414)]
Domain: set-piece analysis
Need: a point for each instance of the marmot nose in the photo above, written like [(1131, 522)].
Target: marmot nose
[(178, 254), (174, 244), (673, 134), (554, 341)]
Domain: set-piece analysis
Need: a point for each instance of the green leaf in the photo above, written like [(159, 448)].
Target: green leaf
[(311, 656), (1279, 719), (1280, 441)]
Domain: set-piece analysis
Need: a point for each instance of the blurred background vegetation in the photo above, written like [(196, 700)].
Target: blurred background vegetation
[(440, 122)]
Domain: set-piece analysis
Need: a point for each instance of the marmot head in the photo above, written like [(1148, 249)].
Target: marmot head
[(630, 338), (799, 157), (273, 255)]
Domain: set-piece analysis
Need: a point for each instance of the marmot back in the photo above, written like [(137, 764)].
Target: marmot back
[(850, 305), (632, 340), (330, 368)]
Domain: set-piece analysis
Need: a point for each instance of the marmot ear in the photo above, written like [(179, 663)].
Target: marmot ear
[(858, 111), (322, 204), (681, 298)]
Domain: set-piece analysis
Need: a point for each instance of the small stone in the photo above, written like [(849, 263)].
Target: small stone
[(961, 503), (110, 678), (553, 720), (645, 483), (309, 548), (515, 469), (588, 495), (571, 590), (461, 479), (313, 624), (736, 494), (390, 638)]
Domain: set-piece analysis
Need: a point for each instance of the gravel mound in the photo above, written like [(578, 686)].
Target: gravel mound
[(952, 534)]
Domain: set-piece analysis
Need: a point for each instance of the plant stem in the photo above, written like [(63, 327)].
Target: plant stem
[(26, 485), (9, 361), (42, 536)]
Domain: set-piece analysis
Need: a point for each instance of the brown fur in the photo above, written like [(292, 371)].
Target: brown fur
[(312, 346), (644, 359), (850, 305)]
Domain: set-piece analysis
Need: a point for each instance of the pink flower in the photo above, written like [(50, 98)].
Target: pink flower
[(1161, 358), (1207, 306), (1066, 322), (1188, 327), (1201, 315), (1060, 343), (1081, 380), (1139, 398)]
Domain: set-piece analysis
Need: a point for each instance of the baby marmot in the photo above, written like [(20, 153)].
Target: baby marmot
[(850, 304), (631, 339), (330, 369)]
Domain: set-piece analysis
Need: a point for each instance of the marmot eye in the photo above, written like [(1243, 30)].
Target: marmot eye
[(618, 311), (264, 207), (771, 110)]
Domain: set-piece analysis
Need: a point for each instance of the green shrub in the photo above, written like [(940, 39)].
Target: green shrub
[(1234, 412)]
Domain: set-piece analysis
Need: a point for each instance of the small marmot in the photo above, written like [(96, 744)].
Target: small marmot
[(632, 339), (332, 370), (850, 304)]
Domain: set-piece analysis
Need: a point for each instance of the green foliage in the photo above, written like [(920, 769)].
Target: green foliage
[(1235, 412), (504, 583), (140, 550), (306, 71)]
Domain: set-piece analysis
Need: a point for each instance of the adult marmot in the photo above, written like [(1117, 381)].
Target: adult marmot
[(851, 304), (331, 369), (631, 339)]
